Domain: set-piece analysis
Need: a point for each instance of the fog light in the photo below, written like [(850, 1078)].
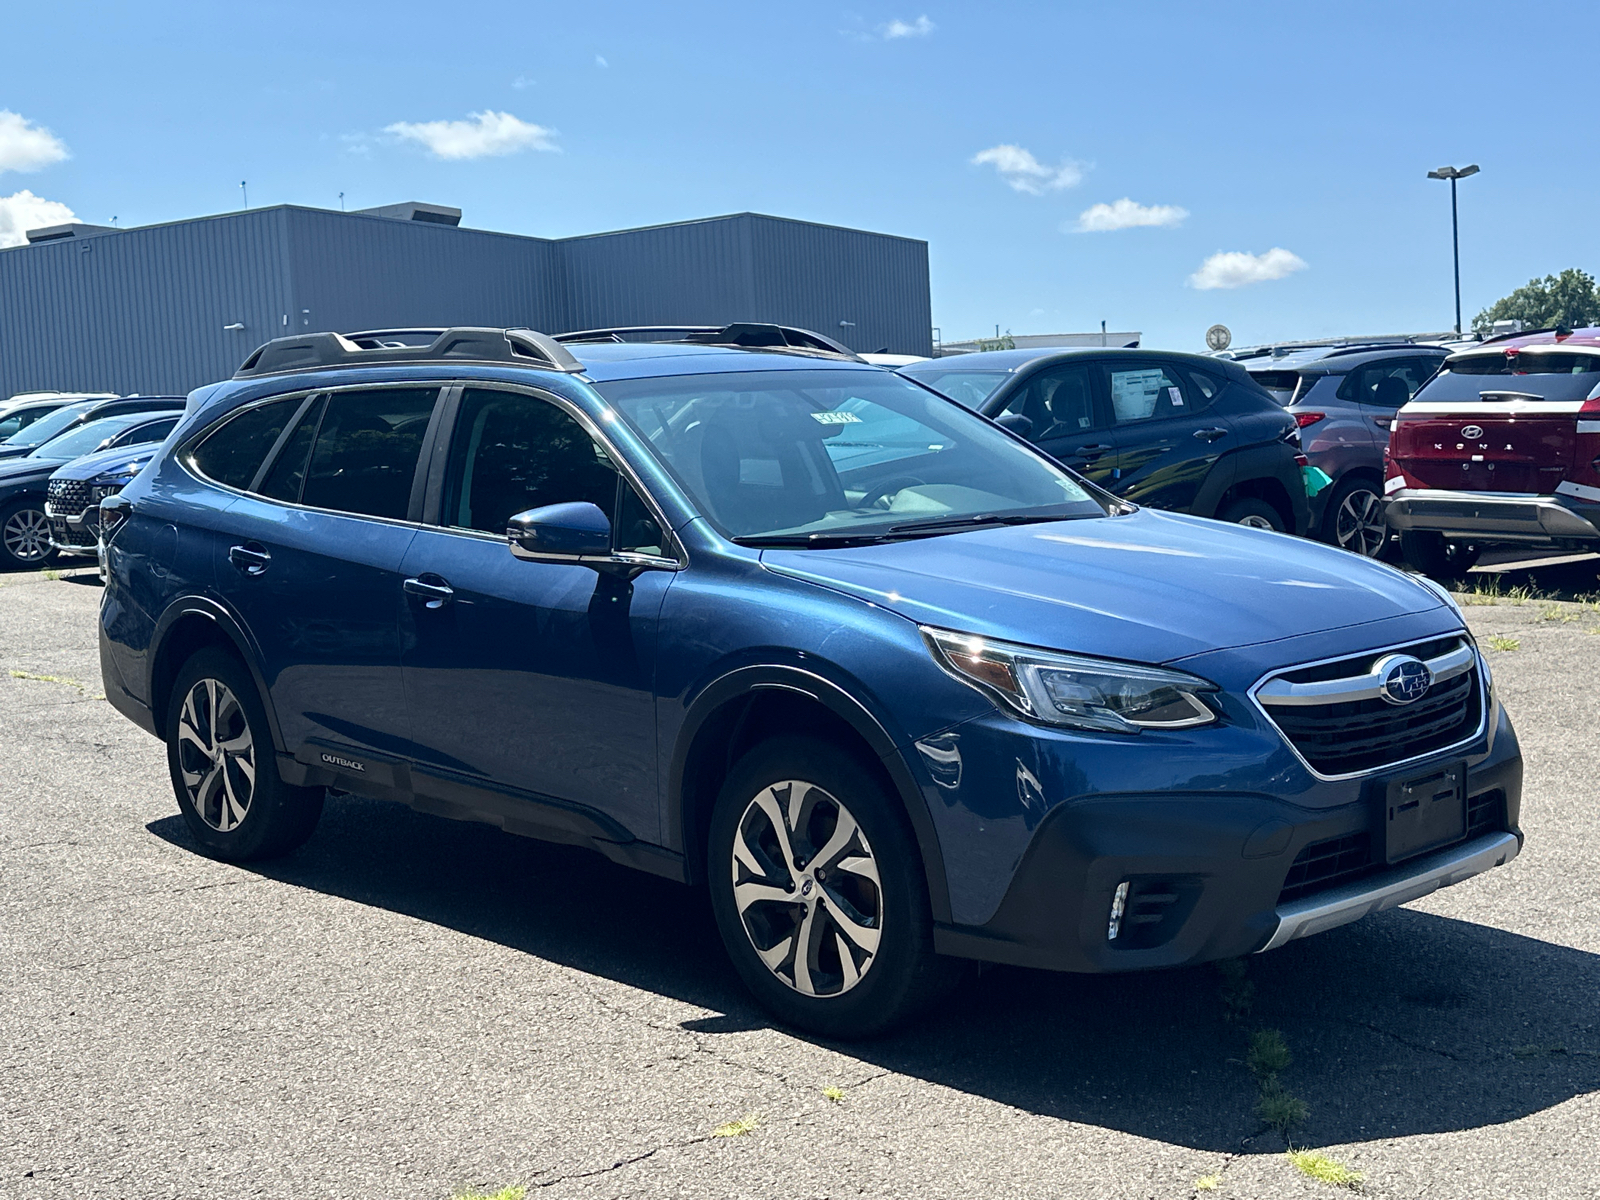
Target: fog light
[(1119, 902)]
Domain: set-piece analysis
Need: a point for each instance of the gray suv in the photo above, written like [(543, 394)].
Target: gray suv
[(1343, 402)]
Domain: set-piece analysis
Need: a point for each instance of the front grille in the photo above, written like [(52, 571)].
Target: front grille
[(67, 497), (66, 535), (1486, 814), (1352, 736)]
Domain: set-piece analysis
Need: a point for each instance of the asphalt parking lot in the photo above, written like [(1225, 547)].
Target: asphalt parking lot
[(411, 1007)]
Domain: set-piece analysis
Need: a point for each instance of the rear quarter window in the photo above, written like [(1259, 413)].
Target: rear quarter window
[(233, 453)]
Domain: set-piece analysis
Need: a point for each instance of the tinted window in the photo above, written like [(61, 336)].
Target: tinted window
[(232, 455), (86, 438), (1058, 400), (1206, 385), (287, 474), (1530, 375), (1387, 384), (837, 452), (968, 388), (1145, 393), (511, 452), (636, 528), (154, 431), (366, 451)]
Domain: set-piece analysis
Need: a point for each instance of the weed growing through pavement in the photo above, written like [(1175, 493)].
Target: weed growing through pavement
[(1208, 1183), (505, 1193), (46, 679), (1324, 1169), (1557, 612), (834, 1094), (52, 575), (1267, 1056), (1236, 991), (1499, 641), (737, 1128)]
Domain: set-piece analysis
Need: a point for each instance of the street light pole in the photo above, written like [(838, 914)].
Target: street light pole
[(1453, 174)]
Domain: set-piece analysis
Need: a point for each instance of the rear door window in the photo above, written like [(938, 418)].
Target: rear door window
[(1387, 384), (1146, 392), (365, 455)]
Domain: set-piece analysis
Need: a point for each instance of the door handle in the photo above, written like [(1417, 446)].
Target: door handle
[(250, 558), (1211, 434), (434, 595), (1094, 451)]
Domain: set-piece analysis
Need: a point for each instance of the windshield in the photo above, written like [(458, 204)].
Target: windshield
[(87, 437), (826, 457), (46, 427), (1530, 375), (968, 388)]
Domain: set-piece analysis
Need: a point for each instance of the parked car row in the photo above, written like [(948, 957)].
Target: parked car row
[(64, 455), (737, 608)]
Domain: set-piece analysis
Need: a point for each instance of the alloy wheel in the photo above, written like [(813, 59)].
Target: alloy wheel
[(1253, 521), (806, 887), (216, 755), (1359, 525), (27, 535)]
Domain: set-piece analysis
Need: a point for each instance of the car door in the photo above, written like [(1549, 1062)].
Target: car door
[(1067, 419), (526, 678), (309, 557), (1166, 442)]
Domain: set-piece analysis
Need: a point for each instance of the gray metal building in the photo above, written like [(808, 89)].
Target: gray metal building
[(166, 308)]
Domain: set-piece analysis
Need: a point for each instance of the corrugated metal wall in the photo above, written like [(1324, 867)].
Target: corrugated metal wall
[(144, 310)]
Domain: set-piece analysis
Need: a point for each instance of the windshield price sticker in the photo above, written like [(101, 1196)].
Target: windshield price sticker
[(836, 418)]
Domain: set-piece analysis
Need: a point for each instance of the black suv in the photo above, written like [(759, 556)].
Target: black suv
[(1173, 431)]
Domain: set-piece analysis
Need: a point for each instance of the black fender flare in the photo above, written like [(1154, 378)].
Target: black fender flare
[(231, 628), (748, 681)]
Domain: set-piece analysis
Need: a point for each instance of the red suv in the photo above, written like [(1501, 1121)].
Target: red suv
[(1501, 446)]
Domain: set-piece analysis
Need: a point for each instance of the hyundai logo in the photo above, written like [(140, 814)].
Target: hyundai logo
[(1472, 431), (806, 886), (1403, 679)]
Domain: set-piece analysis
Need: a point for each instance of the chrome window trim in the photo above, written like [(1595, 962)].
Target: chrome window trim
[(1453, 748), (676, 562)]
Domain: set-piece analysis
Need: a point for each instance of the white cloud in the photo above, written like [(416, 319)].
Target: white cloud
[(1126, 214), (599, 61), (921, 27), (1236, 268), (1026, 173), (25, 146), (522, 82), (25, 211), (486, 134)]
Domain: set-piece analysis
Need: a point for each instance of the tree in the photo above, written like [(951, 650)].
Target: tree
[(1569, 300)]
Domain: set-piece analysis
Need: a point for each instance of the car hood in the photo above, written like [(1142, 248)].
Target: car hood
[(1146, 587), (17, 470), (106, 462)]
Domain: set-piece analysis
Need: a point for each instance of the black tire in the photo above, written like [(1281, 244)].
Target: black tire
[(1256, 513), (902, 974), (22, 524), (242, 819), (1354, 518), (1428, 552)]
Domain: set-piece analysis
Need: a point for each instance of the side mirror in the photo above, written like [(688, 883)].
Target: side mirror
[(576, 532), (1017, 423)]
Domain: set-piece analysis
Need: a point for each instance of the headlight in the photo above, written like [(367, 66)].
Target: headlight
[(108, 485), (1066, 690)]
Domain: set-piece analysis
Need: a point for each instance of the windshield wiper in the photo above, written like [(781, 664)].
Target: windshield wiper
[(976, 520), (810, 541)]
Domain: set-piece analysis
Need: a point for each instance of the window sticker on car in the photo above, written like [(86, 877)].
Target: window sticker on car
[(836, 418), (1175, 396), (1134, 393)]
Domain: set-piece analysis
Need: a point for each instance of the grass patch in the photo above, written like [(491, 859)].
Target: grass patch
[(738, 1128), (1280, 1110), (505, 1193), (61, 679), (1557, 612), (52, 574), (1268, 1054), (1237, 992), (1499, 641), (1324, 1169), (1208, 1183), (834, 1094)]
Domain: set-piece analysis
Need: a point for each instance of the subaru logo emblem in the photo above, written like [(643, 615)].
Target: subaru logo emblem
[(1472, 431), (1403, 679)]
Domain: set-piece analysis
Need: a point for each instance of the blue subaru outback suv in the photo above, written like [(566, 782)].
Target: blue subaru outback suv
[(735, 608)]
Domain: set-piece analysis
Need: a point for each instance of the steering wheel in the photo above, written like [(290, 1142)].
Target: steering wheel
[(893, 484)]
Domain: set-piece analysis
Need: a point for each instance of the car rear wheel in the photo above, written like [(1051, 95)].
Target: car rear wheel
[(818, 892), (1428, 552), (1355, 520), (1256, 514), (25, 535), (224, 769)]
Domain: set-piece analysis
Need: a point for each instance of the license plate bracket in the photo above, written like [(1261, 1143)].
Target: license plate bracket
[(1423, 812)]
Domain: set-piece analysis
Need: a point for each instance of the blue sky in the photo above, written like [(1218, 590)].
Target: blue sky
[(1301, 129)]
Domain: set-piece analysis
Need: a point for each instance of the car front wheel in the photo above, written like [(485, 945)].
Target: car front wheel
[(818, 892), (1257, 514), (224, 770), (1355, 519), (25, 535)]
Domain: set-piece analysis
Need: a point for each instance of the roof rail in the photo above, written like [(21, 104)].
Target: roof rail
[(317, 351), (751, 335)]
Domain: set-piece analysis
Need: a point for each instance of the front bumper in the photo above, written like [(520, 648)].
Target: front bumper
[(1502, 516), (75, 534), (1214, 875)]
